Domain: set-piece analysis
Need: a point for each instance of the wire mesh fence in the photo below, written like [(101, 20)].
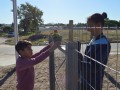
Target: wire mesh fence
[(60, 65), (111, 73), (111, 77)]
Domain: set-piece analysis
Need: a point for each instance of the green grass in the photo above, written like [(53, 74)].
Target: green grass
[(2, 34)]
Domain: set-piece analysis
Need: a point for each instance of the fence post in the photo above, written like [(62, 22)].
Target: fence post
[(70, 30), (51, 69), (71, 66)]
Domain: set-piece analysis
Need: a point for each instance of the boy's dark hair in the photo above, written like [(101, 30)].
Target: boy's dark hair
[(21, 45), (98, 18)]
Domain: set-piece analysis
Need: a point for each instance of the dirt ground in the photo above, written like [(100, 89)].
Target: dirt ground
[(41, 79), (8, 80)]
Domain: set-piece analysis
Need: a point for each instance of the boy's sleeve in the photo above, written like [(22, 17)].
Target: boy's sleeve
[(43, 50), (24, 64)]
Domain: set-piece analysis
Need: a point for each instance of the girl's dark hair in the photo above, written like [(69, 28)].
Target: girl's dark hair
[(98, 18), (21, 45)]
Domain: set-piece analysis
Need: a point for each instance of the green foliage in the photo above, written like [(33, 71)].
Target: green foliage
[(1, 25), (7, 29), (30, 17), (108, 22), (112, 23), (81, 25)]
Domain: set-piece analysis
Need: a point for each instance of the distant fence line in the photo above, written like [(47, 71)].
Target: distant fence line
[(76, 28), (105, 28)]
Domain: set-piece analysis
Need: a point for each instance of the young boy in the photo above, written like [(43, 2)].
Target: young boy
[(26, 61)]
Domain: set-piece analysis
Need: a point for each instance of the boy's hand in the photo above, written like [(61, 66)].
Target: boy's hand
[(51, 44), (57, 38), (57, 43), (54, 46)]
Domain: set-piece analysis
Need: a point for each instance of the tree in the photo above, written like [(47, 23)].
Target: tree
[(119, 23), (1, 25), (81, 25), (112, 23), (30, 17), (7, 29)]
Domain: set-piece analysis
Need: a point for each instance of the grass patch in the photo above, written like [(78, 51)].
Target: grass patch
[(36, 39), (2, 34)]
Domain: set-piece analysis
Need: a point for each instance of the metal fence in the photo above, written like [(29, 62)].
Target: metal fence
[(111, 80), (112, 75), (60, 65)]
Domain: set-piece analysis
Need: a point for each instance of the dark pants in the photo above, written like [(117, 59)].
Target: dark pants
[(91, 81)]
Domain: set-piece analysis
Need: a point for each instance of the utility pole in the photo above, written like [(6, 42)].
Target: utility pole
[(15, 24)]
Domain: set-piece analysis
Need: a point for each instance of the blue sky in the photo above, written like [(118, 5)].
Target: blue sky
[(61, 11)]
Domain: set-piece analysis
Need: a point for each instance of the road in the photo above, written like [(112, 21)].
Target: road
[(7, 52)]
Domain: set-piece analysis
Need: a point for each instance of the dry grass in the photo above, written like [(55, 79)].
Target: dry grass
[(78, 35), (84, 35)]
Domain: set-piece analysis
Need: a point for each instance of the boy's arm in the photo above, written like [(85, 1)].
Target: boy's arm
[(44, 49), (27, 63), (24, 64)]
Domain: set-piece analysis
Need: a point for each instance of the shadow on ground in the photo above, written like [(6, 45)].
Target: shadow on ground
[(112, 80), (2, 81)]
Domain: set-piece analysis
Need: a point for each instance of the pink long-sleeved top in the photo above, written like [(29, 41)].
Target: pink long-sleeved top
[(25, 69)]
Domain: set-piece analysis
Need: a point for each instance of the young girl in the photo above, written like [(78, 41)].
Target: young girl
[(26, 61), (99, 48)]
